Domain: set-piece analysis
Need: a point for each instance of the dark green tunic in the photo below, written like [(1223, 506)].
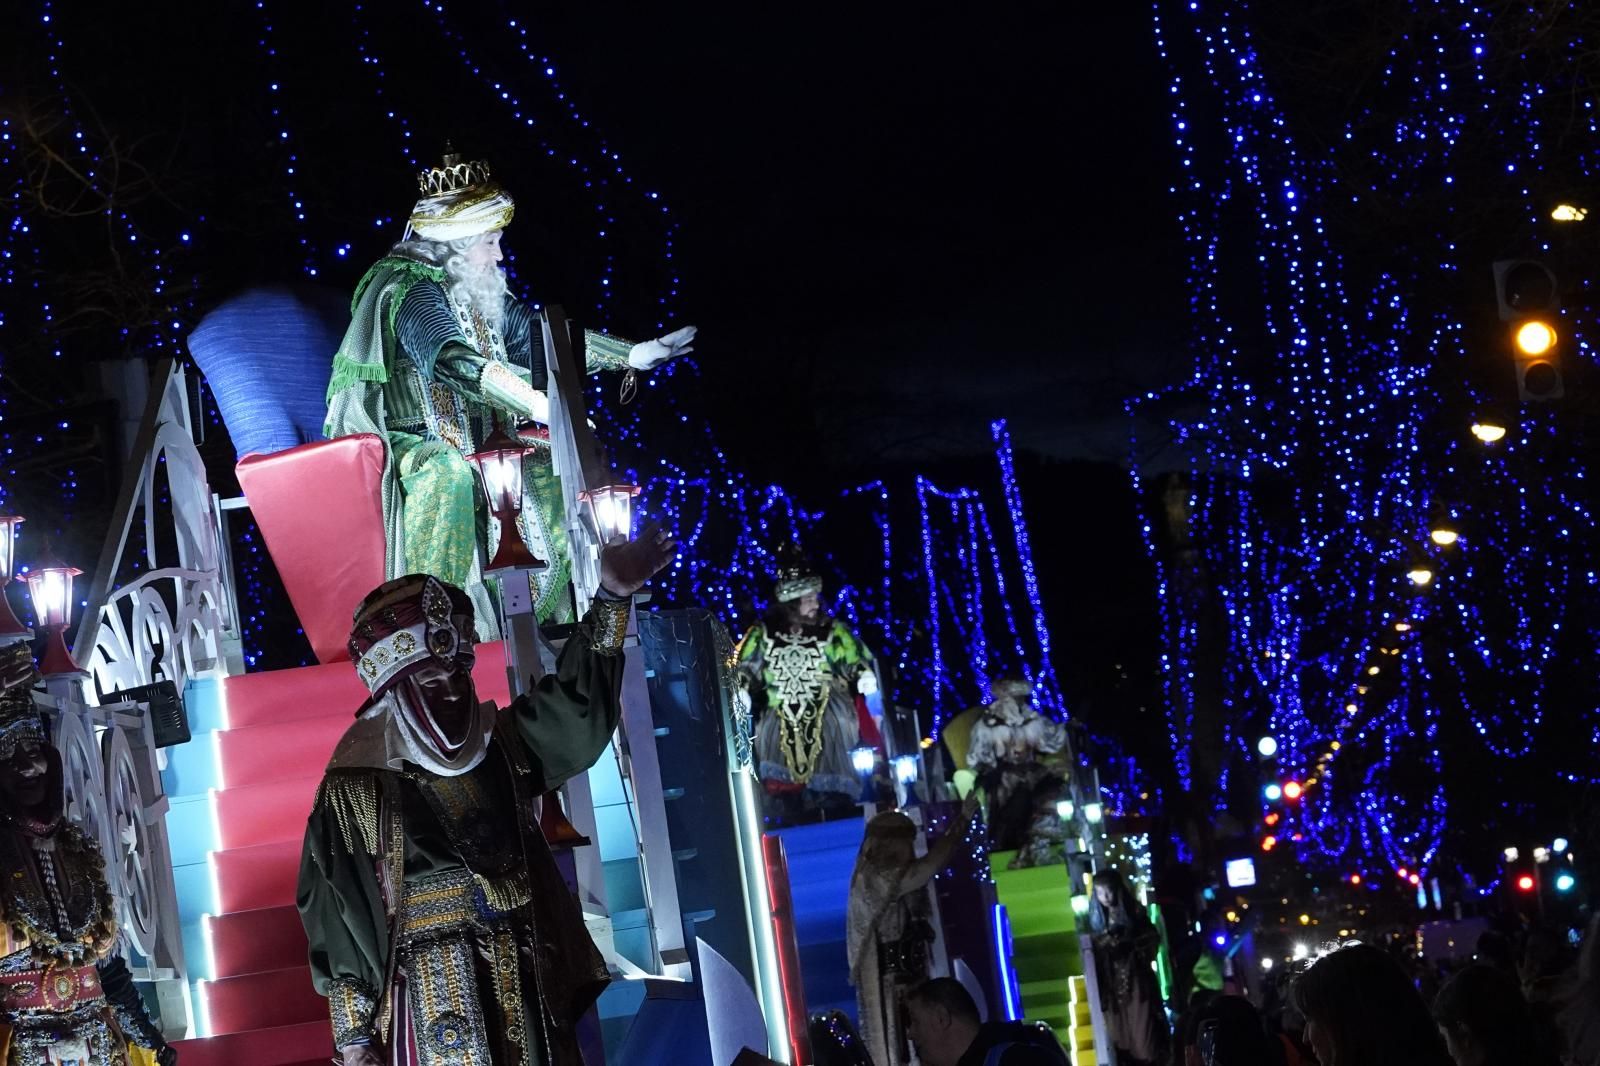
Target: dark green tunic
[(368, 824)]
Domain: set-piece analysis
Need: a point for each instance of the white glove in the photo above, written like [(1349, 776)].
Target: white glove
[(539, 407), (650, 354), (867, 683)]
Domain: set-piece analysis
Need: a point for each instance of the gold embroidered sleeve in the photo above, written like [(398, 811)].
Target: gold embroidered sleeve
[(353, 1006), (503, 387), (610, 621), (603, 352)]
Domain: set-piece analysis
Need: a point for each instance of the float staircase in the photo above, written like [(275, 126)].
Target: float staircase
[(1044, 938)]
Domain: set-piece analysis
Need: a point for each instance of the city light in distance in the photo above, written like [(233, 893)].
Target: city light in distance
[(1525, 883), (1568, 213), (1420, 576), (1273, 793), (1267, 746), (1292, 790), (1535, 337), (1565, 881), (1488, 432)]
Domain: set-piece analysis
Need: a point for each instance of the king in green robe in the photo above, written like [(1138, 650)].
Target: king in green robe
[(437, 354)]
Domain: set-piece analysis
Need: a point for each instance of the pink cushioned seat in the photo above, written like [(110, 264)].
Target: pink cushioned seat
[(320, 511)]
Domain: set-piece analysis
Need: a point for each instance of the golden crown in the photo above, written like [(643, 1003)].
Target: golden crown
[(452, 174)]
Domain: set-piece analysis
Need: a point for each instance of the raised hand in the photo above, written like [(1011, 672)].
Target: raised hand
[(625, 565)]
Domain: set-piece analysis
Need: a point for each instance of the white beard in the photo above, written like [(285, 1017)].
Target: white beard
[(482, 290)]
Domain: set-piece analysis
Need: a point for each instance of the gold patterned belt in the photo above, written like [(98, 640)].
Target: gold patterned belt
[(57, 988), (438, 902)]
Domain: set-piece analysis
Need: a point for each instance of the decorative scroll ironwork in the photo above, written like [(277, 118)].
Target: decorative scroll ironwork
[(169, 624)]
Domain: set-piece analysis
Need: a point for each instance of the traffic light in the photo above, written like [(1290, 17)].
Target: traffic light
[(1528, 300)]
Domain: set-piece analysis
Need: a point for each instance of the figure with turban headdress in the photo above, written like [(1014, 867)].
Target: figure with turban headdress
[(888, 930), (440, 928), (438, 352), (807, 676), (66, 995), (1017, 754)]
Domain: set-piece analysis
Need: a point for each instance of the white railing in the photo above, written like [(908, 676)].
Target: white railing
[(173, 622)]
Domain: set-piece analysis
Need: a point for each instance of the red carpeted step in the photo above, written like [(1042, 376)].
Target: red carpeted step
[(268, 813), (332, 691), (251, 879), (258, 754), (263, 1000), (288, 1045), (269, 938)]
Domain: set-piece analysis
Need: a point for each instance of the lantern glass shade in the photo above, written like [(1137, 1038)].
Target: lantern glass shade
[(50, 587), (609, 511), (499, 463), (905, 769), (863, 759), (8, 546)]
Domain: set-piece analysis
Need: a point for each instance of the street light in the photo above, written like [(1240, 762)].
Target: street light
[(10, 627), (1420, 575), (1568, 213), (1488, 431), (499, 463), (609, 511), (1065, 809), (1093, 813), (905, 774), (1443, 533), (1535, 337), (50, 587), (864, 759)]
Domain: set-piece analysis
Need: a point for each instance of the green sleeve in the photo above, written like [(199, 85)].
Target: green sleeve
[(604, 352), (346, 928), (567, 720), (846, 650)]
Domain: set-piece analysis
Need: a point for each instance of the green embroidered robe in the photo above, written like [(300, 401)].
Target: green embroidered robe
[(430, 378)]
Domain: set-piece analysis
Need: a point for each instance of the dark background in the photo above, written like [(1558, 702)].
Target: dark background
[(895, 223)]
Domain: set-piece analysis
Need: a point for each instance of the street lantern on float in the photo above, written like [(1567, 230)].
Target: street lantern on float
[(865, 760), (608, 510), (10, 628), (50, 588), (499, 463)]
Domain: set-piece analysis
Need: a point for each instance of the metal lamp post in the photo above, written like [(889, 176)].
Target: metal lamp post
[(50, 587), (609, 511), (11, 629), (499, 463)]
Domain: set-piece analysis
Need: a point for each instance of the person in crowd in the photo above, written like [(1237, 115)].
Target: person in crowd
[(1188, 1024), (1486, 1022), (1580, 1018), (1362, 1010), (1125, 944), (1544, 970), (1228, 1031), (945, 1028), (66, 996)]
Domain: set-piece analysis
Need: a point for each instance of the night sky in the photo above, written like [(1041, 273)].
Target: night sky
[(903, 221), (897, 222)]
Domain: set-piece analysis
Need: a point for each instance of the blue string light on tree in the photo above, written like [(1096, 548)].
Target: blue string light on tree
[(1326, 421)]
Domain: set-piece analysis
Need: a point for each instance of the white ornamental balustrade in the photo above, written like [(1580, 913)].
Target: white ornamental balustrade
[(172, 622)]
